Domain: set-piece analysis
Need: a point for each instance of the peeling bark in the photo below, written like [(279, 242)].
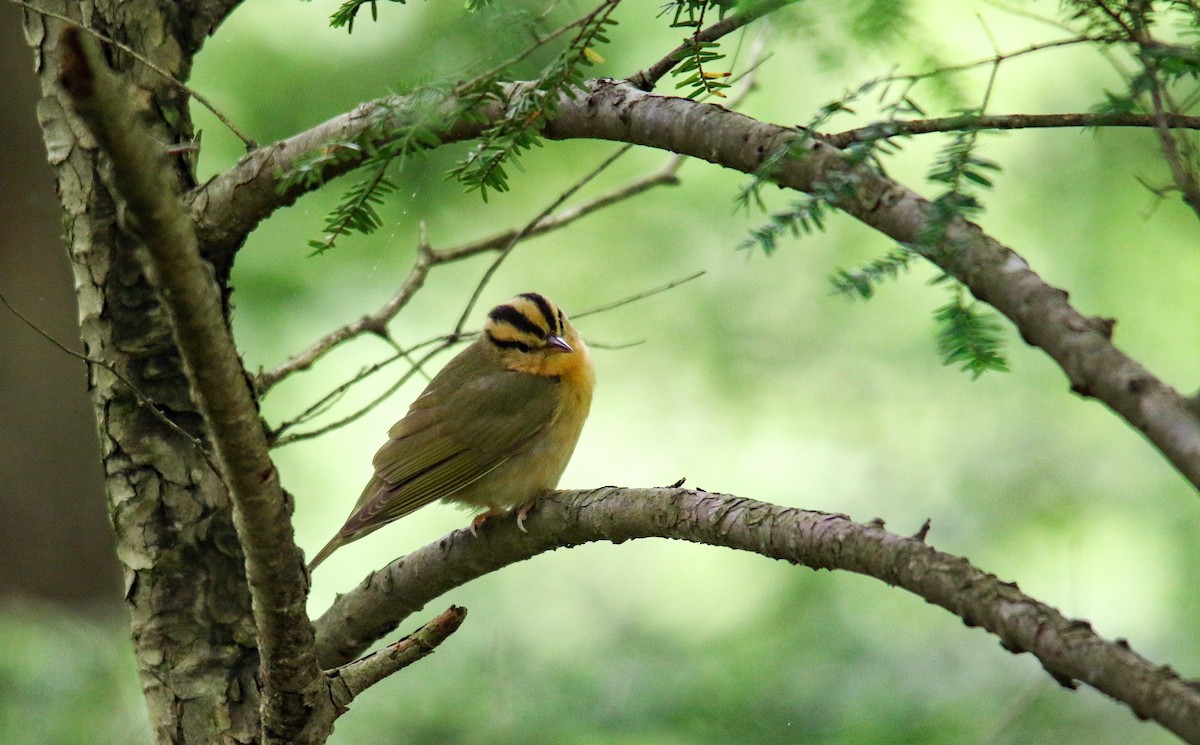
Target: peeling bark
[(185, 588)]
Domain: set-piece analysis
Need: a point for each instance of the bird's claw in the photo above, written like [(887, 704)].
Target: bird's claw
[(479, 520), (482, 518), (522, 512)]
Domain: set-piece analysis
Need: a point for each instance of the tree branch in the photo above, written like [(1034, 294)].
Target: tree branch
[(1070, 650), (293, 685), (995, 274), (646, 79), (884, 130), (230, 205), (618, 111), (353, 678), (233, 203), (204, 17)]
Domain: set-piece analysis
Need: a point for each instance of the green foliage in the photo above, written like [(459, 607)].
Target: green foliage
[(957, 163), (344, 15), (867, 149), (965, 335), (692, 58), (529, 107), (695, 54), (1174, 62), (969, 337), (1103, 17), (691, 13), (1115, 103), (962, 171), (806, 217), (400, 129), (1134, 23), (879, 138), (794, 149), (861, 282), (355, 213), (1165, 81)]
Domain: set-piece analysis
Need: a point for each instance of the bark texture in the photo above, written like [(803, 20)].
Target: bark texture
[(184, 583)]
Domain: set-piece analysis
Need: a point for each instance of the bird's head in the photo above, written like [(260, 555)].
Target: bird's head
[(531, 334)]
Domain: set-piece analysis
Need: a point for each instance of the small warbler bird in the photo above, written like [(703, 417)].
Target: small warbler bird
[(495, 428)]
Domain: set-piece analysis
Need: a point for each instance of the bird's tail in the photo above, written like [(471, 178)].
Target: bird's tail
[(324, 553)]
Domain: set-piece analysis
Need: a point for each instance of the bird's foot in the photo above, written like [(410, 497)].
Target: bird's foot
[(522, 512), (482, 518)]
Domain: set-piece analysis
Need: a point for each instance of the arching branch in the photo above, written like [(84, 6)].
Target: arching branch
[(1082, 346), (617, 111), (233, 203), (1070, 650)]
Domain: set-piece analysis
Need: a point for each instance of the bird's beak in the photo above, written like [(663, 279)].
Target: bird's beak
[(555, 343)]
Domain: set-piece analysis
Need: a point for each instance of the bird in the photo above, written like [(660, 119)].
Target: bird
[(494, 428)]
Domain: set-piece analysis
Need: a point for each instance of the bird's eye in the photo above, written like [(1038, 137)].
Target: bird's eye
[(520, 346)]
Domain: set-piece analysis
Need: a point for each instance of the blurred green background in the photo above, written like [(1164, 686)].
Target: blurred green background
[(753, 380)]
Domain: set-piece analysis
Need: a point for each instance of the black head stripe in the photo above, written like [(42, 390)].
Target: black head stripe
[(516, 319), (508, 343), (544, 307)]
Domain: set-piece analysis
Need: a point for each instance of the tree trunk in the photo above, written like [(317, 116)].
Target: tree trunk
[(191, 623)]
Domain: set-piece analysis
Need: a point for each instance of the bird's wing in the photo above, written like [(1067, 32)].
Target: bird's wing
[(451, 438)]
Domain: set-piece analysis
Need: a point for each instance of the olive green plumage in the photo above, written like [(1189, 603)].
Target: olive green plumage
[(494, 428)]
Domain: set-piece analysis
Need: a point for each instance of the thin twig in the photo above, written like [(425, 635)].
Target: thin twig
[(166, 74), (351, 679), (142, 398), (999, 57), (1104, 50), (427, 258), (1181, 173), (897, 128), (666, 176), (523, 232), (648, 78), (609, 347), (375, 323), (638, 296), (279, 441)]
